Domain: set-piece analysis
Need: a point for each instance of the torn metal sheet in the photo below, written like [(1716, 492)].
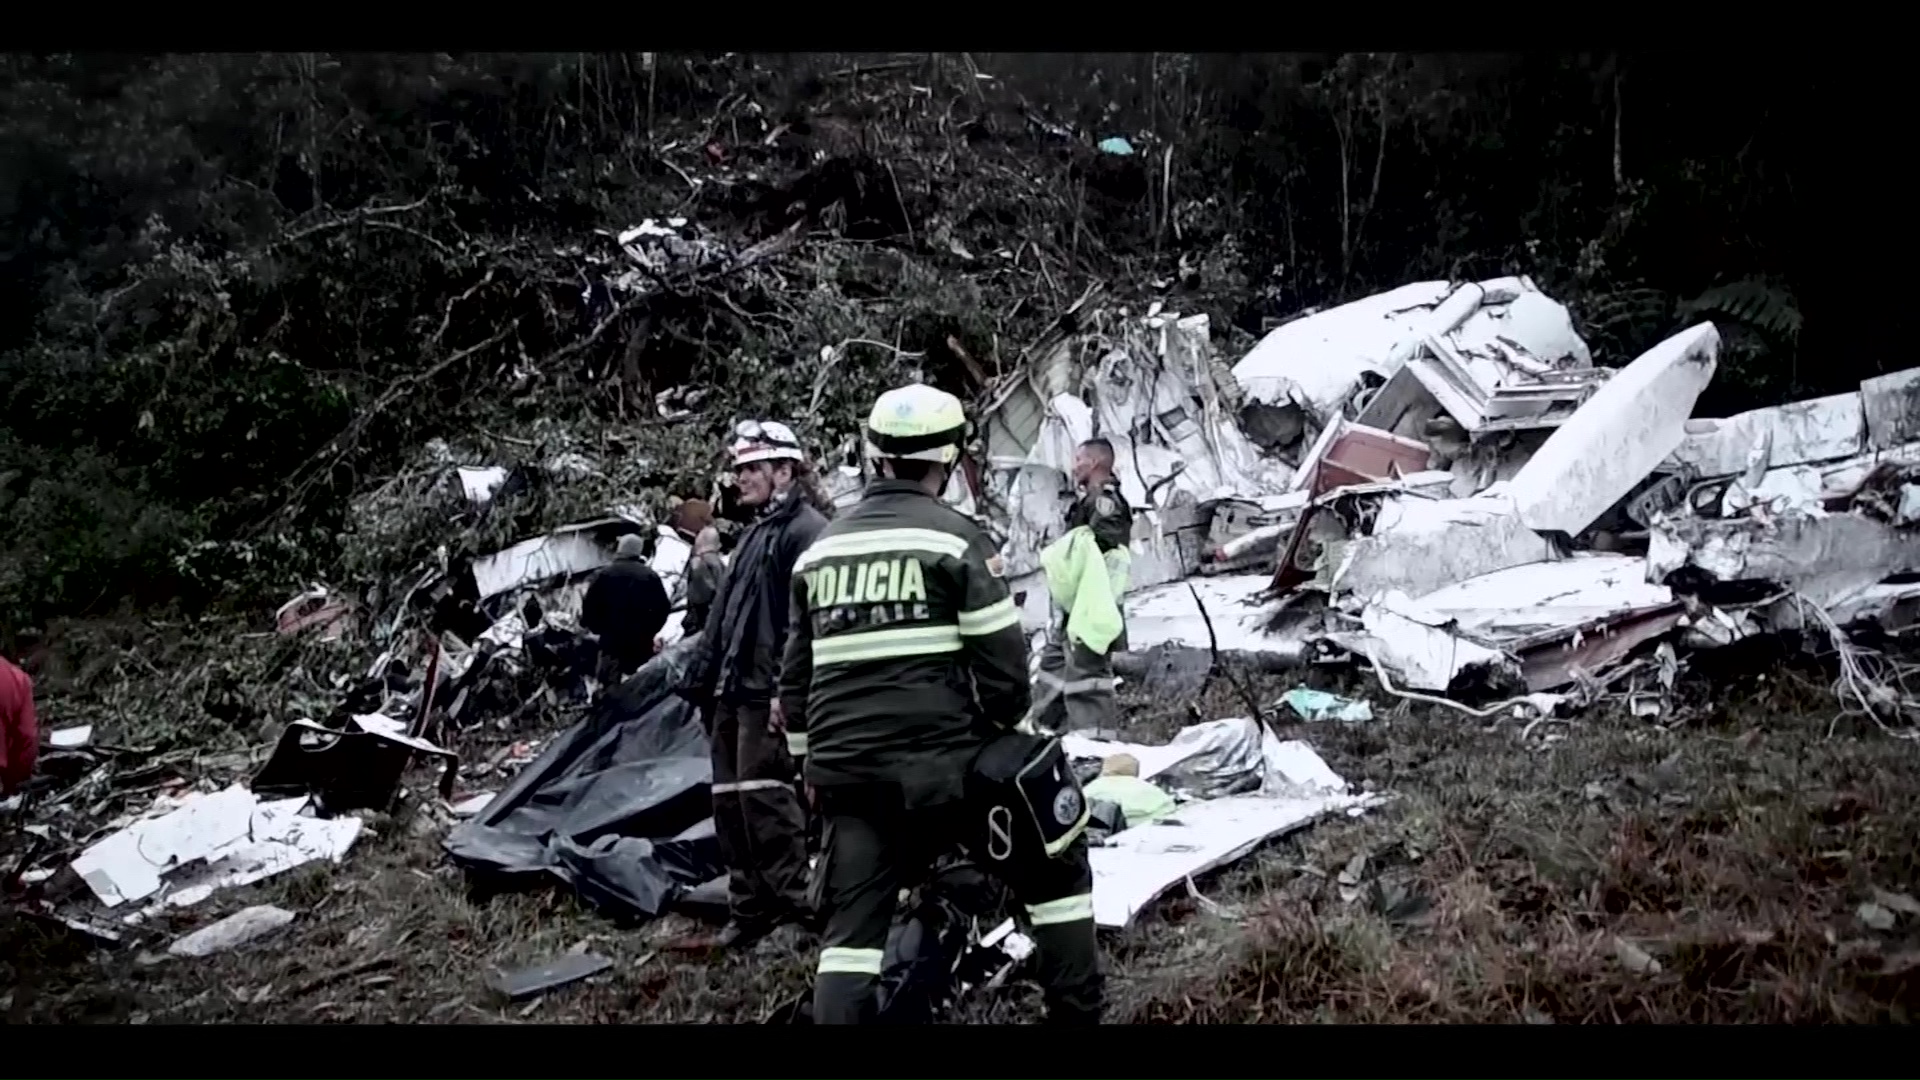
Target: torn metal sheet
[(1892, 407), (479, 484), (1154, 391), (1518, 603), (356, 768), (1826, 485), (1167, 615), (1821, 429), (1795, 488), (575, 549), (1618, 437), (71, 738), (1559, 658), (1421, 545), (1420, 645), (1138, 864), (1306, 371), (1312, 364), (128, 864), (1825, 558), (552, 975), (237, 837), (1894, 607)]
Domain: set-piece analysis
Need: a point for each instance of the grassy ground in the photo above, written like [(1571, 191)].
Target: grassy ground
[(1710, 868)]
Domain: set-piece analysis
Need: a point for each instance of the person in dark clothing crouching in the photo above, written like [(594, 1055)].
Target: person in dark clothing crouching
[(625, 607)]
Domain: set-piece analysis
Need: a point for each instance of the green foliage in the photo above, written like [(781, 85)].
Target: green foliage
[(240, 292), (1756, 303)]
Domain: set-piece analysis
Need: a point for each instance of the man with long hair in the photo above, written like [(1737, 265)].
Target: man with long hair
[(733, 678)]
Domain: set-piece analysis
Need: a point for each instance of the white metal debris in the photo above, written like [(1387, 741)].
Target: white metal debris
[(237, 929), (1307, 370), (1153, 390), (575, 549), (1824, 558), (1138, 864), (1521, 601), (479, 484), (1167, 615), (1799, 432), (231, 837), (1892, 405), (1618, 437), (1420, 545), (70, 738), (1420, 645)]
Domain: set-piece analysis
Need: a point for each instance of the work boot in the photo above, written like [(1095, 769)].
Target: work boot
[(742, 934)]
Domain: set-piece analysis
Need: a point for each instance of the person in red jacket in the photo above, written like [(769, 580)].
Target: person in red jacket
[(19, 731)]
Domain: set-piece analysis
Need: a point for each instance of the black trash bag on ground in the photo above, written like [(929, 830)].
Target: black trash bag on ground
[(619, 806)]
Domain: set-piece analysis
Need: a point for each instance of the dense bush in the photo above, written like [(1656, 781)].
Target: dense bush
[(236, 289)]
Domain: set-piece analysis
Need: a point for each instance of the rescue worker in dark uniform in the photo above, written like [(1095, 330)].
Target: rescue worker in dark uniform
[(733, 678), (904, 678), (625, 606), (1074, 684), (704, 573)]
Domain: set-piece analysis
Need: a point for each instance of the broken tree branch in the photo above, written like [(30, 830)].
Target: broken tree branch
[(1227, 673)]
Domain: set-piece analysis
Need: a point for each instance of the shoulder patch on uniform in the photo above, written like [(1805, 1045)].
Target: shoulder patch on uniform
[(996, 565), (1106, 505)]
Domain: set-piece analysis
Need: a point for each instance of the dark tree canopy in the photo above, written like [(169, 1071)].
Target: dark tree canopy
[(236, 289)]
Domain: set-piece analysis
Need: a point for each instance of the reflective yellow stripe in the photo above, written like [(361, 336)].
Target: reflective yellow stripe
[(1067, 838), (797, 743), (839, 961), (882, 542), (990, 619), (886, 644), (1064, 910)]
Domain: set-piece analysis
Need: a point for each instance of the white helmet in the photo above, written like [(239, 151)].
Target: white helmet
[(916, 423), (764, 440)]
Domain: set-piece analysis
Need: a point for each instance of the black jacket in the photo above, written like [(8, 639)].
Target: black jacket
[(905, 653), (626, 606), (739, 655), (704, 575), (1107, 512)]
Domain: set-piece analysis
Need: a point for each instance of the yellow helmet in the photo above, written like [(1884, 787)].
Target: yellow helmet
[(917, 423)]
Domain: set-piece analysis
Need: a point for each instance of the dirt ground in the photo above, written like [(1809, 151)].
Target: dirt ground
[(1732, 862)]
